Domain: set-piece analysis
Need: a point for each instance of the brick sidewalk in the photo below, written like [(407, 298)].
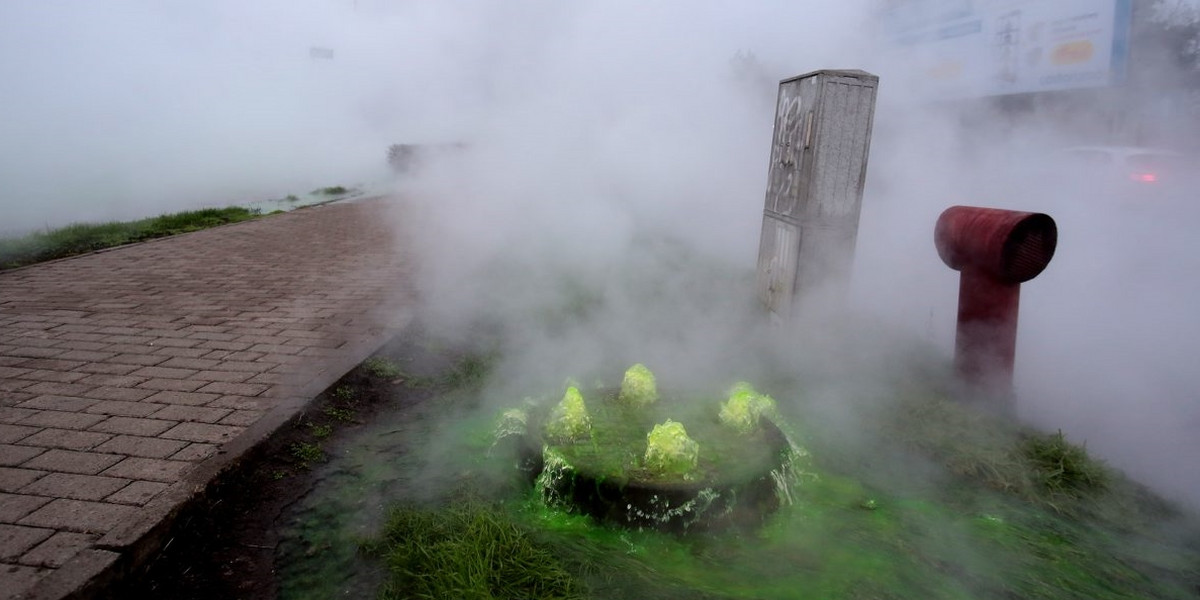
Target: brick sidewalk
[(129, 378)]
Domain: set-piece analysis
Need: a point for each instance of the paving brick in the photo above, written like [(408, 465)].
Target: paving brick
[(65, 438), (195, 452), (64, 403), (79, 487), (184, 398), (182, 352), (198, 364), (12, 415), (176, 342), (269, 378), (214, 336), (79, 515), (18, 579), (15, 506), (12, 385), (61, 419), (244, 403), (89, 354), (244, 366), (133, 426), (121, 330), (108, 368), (69, 461), (14, 433), (191, 413), (137, 493), (242, 418), (202, 432), (12, 479), (164, 372), (30, 364), (225, 376), (250, 357), (90, 348), (172, 385), (137, 358), (16, 539), (53, 376), (34, 351), (127, 394), (112, 380), (232, 346), (12, 456), (58, 389), (58, 549), (236, 389), (124, 408), (275, 349), (145, 447), (151, 469)]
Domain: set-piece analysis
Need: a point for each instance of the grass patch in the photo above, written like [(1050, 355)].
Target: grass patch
[(307, 453), (467, 551), (383, 368), (344, 393), (81, 238), (342, 415), (1062, 468), (320, 431), (336, 190)]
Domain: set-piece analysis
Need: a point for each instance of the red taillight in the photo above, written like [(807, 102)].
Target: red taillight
[(1144, 177)]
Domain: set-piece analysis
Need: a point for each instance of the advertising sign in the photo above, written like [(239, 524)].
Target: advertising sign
[(972, 48)]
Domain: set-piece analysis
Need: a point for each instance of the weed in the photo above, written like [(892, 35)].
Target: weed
[(332, 191), (467, 551), (344, 415), (307, 453), (279, 474), (292, 198), (469, 372), (1060, 467), (381, 367), (320, 431), (344, 393)]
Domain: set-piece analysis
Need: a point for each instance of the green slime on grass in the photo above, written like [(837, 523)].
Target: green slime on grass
[(841, 536)]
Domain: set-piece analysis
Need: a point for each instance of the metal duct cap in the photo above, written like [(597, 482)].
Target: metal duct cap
[(1009, 246)]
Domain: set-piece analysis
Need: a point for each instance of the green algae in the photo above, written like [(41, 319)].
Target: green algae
[(638, 388), (670, 452), (844, 533)]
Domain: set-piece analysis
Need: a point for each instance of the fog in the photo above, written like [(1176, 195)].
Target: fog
[(607, 206)]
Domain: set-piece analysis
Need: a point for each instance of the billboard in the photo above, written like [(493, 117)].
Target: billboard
[(973, 48)]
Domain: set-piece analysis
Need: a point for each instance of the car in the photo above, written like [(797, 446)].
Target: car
[(1129, 172)]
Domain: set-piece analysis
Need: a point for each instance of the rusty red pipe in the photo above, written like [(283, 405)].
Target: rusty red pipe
[(995, 251)]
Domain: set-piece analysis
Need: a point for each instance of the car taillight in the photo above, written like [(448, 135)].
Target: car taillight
[(1144, 177)]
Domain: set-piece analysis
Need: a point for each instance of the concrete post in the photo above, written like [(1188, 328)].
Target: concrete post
[(815, 184)]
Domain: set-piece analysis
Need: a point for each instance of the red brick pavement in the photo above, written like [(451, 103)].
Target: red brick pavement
[(129, 378)]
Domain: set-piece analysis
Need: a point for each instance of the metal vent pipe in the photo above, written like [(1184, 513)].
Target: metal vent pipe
[(995, 251)]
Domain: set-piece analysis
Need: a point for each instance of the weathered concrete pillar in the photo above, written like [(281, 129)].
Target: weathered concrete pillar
[(815, 185)]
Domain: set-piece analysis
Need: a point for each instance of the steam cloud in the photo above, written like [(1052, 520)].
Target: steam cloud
[(616, 162)]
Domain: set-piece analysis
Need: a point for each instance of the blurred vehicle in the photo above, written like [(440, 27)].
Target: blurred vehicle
[(1128, 172)]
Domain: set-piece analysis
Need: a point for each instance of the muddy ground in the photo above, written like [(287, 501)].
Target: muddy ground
[(225, 545)]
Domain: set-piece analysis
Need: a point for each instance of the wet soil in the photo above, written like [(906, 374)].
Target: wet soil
[(225, 545)]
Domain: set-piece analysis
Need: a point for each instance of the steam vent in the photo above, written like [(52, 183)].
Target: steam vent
[(638, 458), (995, 250)]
